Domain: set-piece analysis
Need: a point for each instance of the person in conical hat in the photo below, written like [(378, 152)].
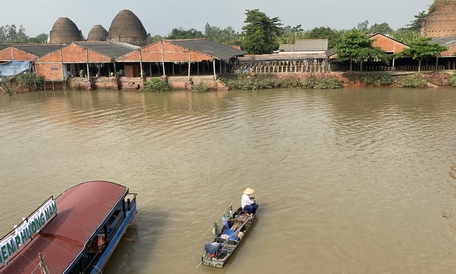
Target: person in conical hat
[(248, 203)]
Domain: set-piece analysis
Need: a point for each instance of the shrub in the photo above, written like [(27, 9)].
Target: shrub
[(200, 87), (412, 81), (30, 80), (452, 81), (328, 83), (157, 84), (385, 79), (368, 79)]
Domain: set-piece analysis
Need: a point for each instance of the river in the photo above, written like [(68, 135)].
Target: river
[(348, 181)]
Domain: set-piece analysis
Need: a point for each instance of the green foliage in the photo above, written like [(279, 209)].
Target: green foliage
[(225, 36), (328, 83), (265, 82), (356, 46), (326, 33), (182, 33), (30, 80), (290, 35), (385, 79), (377, 80), (261, 32), (368, 79), (363, 26), (406, 36), (40, 38), (156, 84), (421, 48), (383, 28), (412, 81), (452, 81), (419, 18), (200, 87), (10, 34)]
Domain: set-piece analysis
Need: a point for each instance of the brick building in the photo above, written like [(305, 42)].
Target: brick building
[(118, 65), (25, 52), (441, 19)]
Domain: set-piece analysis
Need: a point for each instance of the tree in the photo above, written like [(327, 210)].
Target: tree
[(356, 46), (11, 34), (422, 48), (381, 28), (40, 38), (223, 36), (291, 34), (406, 36), (363, 26), (418, 22), (182, 33), (261, 32), (327, 33)]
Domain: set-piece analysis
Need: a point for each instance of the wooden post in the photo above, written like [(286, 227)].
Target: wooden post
[(140, 63), (189, 63), (163, 58), (61, 66), (213, 65), (87, 60)]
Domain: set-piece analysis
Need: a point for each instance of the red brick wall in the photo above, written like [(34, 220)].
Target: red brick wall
[(387, 44), (442, 20), (12, 53), (51, 71)]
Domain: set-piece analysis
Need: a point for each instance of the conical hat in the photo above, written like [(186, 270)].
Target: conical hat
[(248, 191)]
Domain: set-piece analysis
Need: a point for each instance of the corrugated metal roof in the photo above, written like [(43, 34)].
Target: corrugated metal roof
[(311, 44), (218, 51), (296, 56), (447, 41), (306, 45), (38, 49), (287, 47), (110, 49)]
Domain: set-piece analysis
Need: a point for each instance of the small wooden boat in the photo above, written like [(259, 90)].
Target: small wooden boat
[(229, 230), (75, 233)]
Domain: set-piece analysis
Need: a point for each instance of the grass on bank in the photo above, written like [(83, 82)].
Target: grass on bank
[(247, 82), (317, 81)]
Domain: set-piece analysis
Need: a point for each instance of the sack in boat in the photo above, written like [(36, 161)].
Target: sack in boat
[(228, 233), (212, 248)]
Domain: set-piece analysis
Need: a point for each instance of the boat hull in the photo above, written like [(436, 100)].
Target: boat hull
[(231, 243)]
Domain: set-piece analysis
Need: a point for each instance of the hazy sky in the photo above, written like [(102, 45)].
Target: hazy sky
[(160, 17)]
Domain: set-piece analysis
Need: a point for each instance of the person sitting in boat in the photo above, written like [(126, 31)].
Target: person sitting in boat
[(248, 203)]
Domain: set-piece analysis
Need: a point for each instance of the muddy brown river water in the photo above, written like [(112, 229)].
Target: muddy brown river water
[(348, 181)]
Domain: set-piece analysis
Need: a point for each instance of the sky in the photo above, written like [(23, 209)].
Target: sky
[(160, 17)]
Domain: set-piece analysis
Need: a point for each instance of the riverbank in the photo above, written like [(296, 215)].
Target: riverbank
[(333, 80), (336, 80)]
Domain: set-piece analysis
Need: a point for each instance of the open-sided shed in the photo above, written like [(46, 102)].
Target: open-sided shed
[(180, 57)]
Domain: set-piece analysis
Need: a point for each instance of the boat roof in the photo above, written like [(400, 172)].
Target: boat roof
[(81, 211)]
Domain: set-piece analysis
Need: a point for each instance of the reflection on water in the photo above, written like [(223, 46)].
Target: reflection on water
[(348, 181)]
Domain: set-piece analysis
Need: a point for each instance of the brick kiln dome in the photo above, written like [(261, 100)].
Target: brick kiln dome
[(126, 27), (441, 19), (64, 31), (97, 33)]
